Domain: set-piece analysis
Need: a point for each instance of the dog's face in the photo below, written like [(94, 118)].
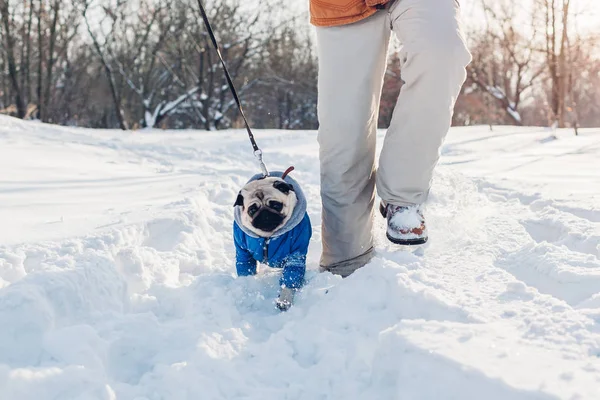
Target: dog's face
[(267, 204)]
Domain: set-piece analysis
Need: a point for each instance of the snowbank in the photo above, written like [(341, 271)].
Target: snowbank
[(116, 275)]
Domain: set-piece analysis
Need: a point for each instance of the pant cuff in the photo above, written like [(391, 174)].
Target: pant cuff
[(347, 267)]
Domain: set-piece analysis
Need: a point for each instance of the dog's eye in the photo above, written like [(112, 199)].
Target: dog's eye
[(275, 205), (252, 210)]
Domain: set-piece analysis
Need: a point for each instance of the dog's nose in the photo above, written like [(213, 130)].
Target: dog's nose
[(267, 220)]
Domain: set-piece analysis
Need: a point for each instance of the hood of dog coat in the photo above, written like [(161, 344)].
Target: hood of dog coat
[(297, 214)]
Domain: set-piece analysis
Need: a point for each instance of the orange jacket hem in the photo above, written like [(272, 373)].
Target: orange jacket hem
[(342, 20), (340, 12)]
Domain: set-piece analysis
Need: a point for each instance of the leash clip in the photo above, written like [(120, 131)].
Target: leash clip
[(259, 156)]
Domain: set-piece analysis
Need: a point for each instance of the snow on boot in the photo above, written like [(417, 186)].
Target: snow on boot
[(405, 224), (286, 299)]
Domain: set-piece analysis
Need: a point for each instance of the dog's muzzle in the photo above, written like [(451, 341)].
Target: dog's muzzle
[(267, 220)]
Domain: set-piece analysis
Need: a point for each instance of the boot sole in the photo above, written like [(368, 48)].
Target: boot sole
[(402, 242), (407, 242)]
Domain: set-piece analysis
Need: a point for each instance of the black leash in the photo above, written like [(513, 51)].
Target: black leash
[(257, 151)]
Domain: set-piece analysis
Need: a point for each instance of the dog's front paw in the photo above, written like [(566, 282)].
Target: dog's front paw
[(285, 299)]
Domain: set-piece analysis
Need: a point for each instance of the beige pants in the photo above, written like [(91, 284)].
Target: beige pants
[(352, 63)]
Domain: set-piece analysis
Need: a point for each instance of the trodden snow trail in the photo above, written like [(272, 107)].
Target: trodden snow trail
[(133, 296)]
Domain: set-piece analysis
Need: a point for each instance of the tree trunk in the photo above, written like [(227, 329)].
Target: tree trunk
[(50, 63), (562, 83), (109, 75), (10, 56), (556, 54), (115, 95), (41, 107), (22, 58), (27, 69)]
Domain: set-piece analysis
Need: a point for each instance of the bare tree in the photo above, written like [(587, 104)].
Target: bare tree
[(40, 72), (26, 52), (55, 10), (504, 59), (242, 39), (102, 52), (583, 97), (150, 63), (285, 76), (556, 25), (153, 76), (9, 40)]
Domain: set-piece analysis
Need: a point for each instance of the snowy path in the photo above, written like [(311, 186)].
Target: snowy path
[(116, 275)]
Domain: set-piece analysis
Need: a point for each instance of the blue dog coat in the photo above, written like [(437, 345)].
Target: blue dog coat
[(286, 248)]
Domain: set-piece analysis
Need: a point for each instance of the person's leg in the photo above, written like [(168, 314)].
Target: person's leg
[(352, 62), (434, 57)]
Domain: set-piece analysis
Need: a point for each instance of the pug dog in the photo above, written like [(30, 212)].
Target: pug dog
[(272, 227)]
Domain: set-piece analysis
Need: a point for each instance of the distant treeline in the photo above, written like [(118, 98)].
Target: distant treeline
[(149, 63)]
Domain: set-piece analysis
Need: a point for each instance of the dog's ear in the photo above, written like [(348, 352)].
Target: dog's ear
[(283, 187), (240, 200)]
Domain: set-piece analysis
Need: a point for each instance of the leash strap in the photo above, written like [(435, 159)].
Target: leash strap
[(257, 151)]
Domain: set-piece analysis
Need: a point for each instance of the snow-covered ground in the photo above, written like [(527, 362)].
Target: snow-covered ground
[(117, 278)]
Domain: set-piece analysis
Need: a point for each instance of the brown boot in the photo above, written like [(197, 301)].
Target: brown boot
[(405, 224)]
